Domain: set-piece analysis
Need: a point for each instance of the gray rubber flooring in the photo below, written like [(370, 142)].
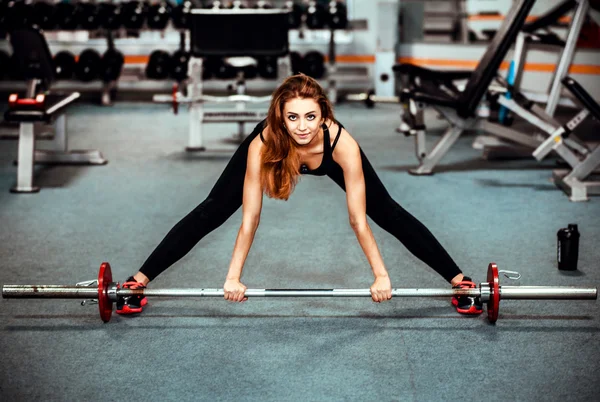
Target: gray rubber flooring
[(184, 349)]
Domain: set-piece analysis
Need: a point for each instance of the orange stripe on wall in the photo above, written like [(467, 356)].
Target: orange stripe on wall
[(469, 64), (353, 58), (460, 64), (136, 59)]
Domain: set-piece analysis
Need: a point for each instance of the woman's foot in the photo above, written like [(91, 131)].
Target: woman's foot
[(466, 304), (131, 304)]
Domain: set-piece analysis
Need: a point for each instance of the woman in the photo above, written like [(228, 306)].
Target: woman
[(296, 139)]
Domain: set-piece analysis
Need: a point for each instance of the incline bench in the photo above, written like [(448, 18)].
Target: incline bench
[(426, 87), (39, 108)]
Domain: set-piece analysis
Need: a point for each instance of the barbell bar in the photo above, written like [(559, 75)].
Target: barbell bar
[(107, 292), (176, 98), (370, 99)]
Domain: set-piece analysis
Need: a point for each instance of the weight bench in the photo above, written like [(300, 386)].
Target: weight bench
[(258, 33), (40, 111), (425, 87)]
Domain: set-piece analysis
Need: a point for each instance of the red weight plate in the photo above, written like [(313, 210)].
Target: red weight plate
[(104, 280), (175, 103), (493, 305)]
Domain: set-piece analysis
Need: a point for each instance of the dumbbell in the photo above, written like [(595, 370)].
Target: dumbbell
[(86, 15), (109, 16), (134, 14), (224, 71), (313, 64), (295, 15), (250, 72), (179, 65), (43, 15), (267, 67), (64, 65), (88, 66), (159, 15), (316, 15), (65, 16), (180, 61), (111, 64), (159, 65), (338, 15), (180, 15)]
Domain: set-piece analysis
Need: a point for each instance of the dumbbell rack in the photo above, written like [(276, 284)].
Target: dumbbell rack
[(138, 49)]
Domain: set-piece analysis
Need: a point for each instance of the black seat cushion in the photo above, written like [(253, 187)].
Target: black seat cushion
[(413, 70), (25, 116)]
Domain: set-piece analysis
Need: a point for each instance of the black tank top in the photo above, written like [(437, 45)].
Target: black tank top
[(328, 148)]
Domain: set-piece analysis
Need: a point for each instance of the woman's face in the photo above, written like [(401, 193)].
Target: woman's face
[(302, 119)]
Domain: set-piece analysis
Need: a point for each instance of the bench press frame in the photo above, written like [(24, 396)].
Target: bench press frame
[(200, 47)]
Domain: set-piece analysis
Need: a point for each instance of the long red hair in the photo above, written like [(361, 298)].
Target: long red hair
[(280, 159)]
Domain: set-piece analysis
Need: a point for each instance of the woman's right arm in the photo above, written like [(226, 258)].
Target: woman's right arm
[(251, 207)]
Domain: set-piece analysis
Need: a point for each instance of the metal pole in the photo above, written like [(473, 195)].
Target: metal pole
[(506, 292), (299, 292), (48, 292), (548, 292), (566, 58), (67, 292)]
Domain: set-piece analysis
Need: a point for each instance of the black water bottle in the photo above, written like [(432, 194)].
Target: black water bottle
[(568, 248)]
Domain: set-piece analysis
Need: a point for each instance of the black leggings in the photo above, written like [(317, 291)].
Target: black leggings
[(226, 197)]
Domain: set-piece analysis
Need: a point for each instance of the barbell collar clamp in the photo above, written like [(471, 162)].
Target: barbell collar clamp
[(485, 292)]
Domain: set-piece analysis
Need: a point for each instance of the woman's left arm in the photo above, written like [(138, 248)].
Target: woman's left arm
[(347, 155)]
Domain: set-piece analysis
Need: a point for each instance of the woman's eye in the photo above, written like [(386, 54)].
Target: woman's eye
[(311, 117), (292, 118)]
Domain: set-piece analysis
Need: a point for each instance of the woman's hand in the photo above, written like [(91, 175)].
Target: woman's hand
[(234, 290), (381, 289)]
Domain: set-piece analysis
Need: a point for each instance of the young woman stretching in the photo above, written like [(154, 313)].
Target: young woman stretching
[(299, 137)]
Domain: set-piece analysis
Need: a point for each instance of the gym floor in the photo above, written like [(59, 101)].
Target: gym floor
[(185, 349)]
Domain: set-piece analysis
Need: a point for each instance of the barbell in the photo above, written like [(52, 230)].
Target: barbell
[(106, 292), (176, 98), (370, 99)]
